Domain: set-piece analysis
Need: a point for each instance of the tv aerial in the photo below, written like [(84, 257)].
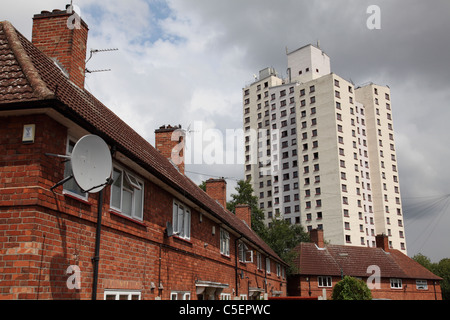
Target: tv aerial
[(93, 51)]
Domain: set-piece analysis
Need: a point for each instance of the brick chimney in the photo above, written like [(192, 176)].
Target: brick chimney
[(170, 142), (244, 213), (382, 241), (316, 236), (62, 35), (217, 189)]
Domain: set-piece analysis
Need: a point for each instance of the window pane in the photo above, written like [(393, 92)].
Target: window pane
[(181, 221), (116, 189), (127, 202), (138, 194), (71, 185), (175, 218), (187, 224)]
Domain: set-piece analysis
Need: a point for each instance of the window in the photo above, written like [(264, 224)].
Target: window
[(181, 220), (127, 194), (324, 281), (245, 255), (71, 186), (396, 283), (122, 295), (224, 242), (259, 260), (180, 295), (268, 265), (225, 296), (421, 285)]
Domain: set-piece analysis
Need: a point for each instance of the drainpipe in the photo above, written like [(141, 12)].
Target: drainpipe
[(96, 257), (236, 263)]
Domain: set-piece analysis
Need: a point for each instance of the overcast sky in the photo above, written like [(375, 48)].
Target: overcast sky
[(186, 62)]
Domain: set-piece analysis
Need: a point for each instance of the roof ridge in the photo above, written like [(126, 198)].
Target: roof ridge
[(40, 89)]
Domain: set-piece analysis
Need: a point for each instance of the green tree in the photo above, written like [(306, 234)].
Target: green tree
[(351, 288), (283, 237), (245, 195), (423, 260), (441, 269)]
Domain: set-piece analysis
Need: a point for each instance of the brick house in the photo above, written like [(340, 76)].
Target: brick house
[(321, 266), (48, 233)]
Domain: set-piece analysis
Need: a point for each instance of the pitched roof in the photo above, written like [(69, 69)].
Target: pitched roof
[(27, 74), (337, 260)]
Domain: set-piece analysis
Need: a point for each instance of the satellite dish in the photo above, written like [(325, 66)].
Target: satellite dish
[(91, 163)]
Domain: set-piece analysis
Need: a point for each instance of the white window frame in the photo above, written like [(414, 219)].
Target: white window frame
[(224, 242), (324, 281), (180, 295), (245, 254), (78, 193), (268, 265), (181, 220), (225, 296), (137, 185), (421, 285), (259, 260), (278, 270), (396, 283), (118, 293)]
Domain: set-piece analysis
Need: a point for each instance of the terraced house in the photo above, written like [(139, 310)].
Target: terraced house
[(47, 230)]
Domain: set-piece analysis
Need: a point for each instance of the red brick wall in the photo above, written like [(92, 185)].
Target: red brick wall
[(298, 285), (42, 233)]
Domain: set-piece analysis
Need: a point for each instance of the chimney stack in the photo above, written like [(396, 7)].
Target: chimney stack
[(382, 241), (316, 236), (244, 213), (217, 189), (62, 35), (170, 142)]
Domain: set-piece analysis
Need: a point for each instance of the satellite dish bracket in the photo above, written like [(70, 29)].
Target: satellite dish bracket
[(61, 182), (108, 182)]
